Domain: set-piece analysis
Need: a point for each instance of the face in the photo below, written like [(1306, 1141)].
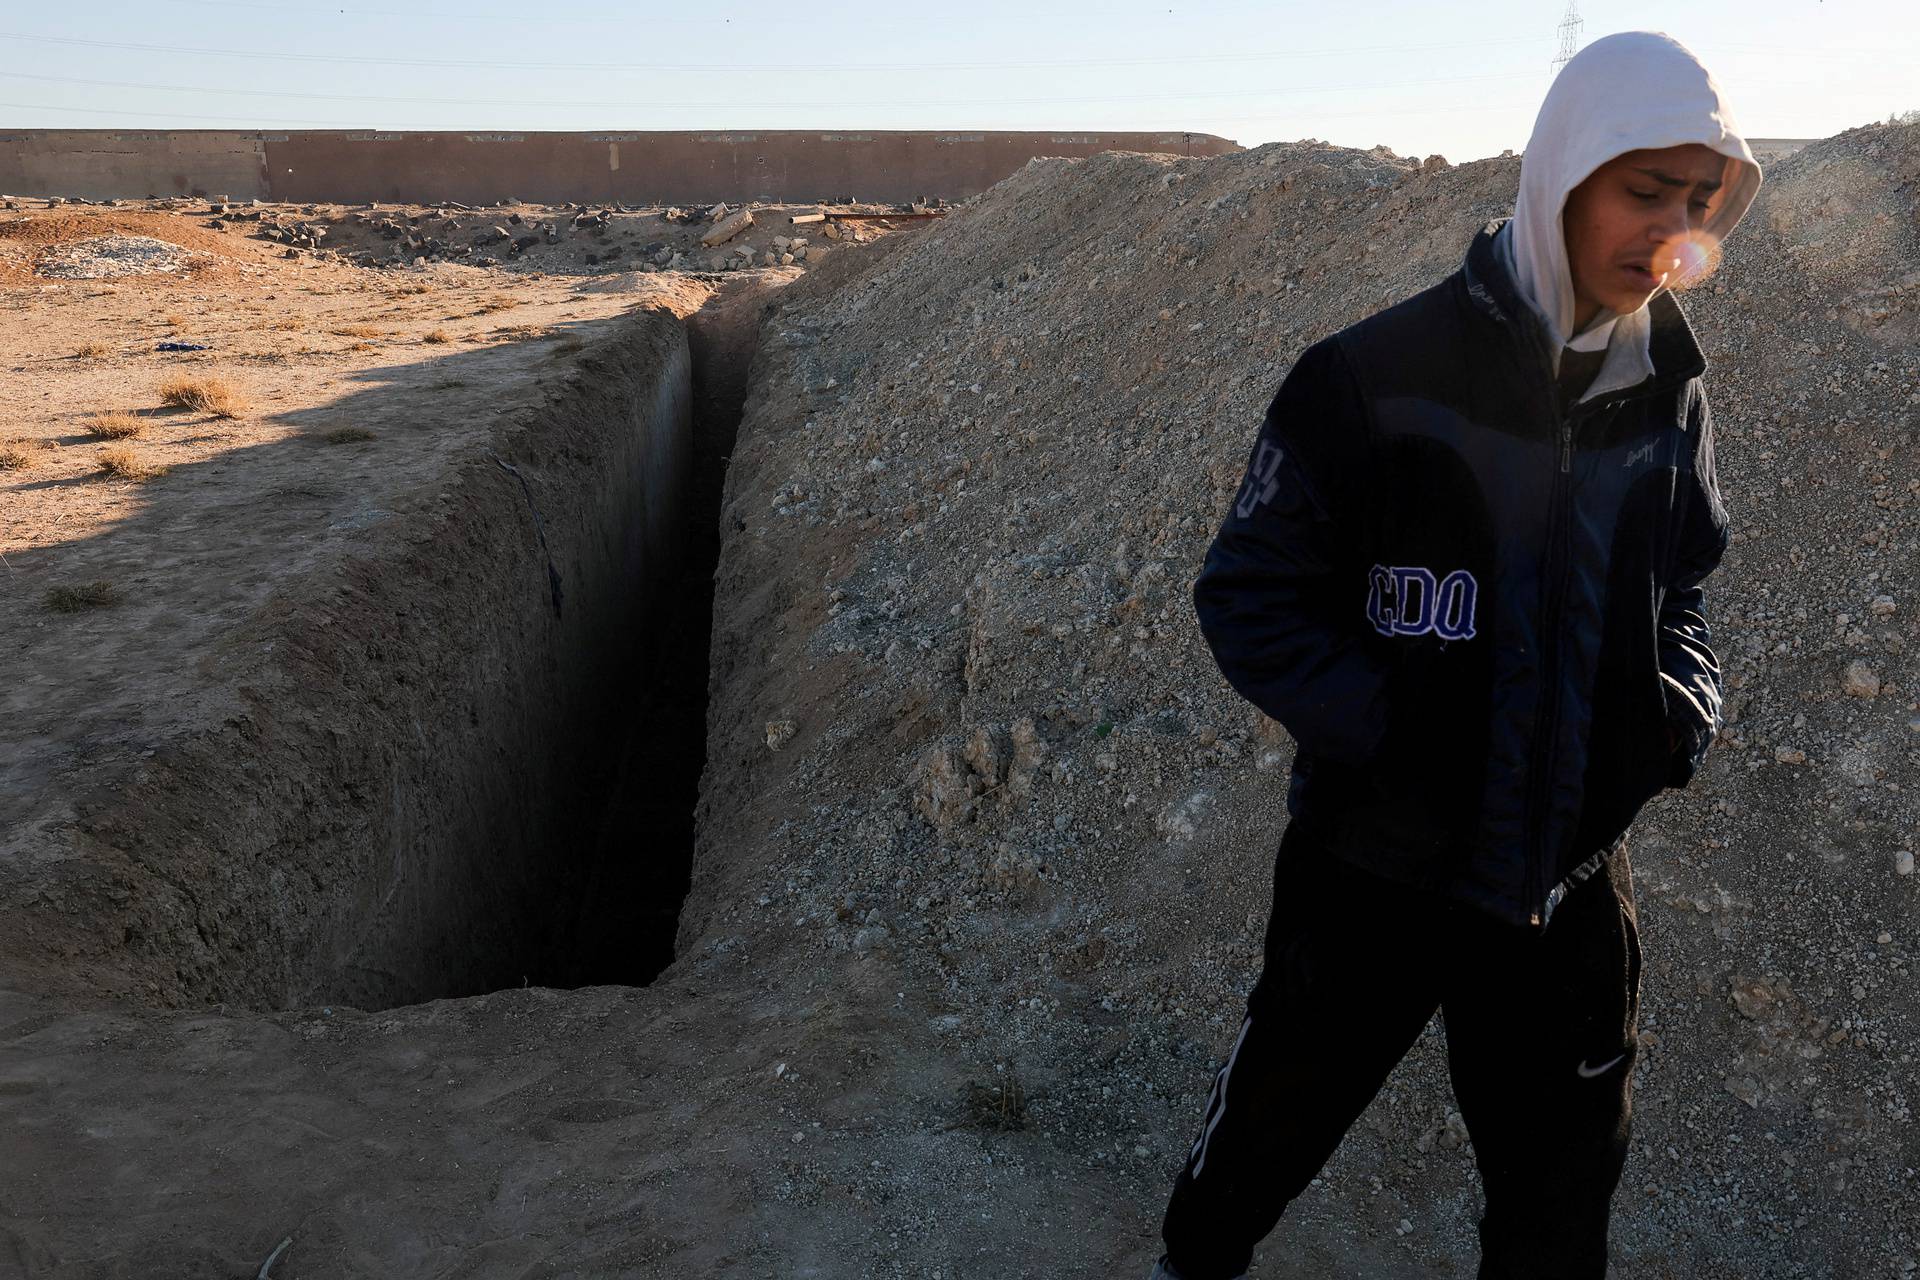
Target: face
[(1635, 225)]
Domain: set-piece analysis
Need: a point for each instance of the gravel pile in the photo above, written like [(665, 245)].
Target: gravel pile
[(111, 257), (956, 667)]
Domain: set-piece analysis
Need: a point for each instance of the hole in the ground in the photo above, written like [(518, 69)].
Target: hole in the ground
[(641, 852), (457, 755), (596, 898)]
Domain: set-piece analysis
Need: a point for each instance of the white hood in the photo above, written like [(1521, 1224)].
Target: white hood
[(1631, 91)]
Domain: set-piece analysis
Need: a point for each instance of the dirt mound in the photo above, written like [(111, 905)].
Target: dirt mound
[(955, 629), (1844, 212), (41, 231), (28, 241)]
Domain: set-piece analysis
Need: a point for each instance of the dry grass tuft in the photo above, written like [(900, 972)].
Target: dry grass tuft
[(90, 595), (359, 331), (415, 288), (122, 463), (20, 452), (92, 351), (497, 302), (438, 335), (115, 426), (358, 346), (995, 1106), (289, 324), (207, 395), (347, 435), (517, 331)]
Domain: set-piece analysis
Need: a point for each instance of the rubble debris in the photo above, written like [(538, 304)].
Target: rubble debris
[(110, 256), (728, 228)]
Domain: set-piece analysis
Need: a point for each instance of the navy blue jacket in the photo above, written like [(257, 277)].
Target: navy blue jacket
[(1476, 609)]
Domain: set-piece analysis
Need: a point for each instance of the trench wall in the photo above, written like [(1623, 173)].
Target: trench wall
[(391, 807), (639, 167)]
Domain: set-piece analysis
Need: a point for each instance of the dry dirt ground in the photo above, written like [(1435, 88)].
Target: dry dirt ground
[(984, 842), (350, 390)]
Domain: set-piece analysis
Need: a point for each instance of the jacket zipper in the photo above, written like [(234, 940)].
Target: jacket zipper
[(1546, 729), (1546, 742), (1559, 522)]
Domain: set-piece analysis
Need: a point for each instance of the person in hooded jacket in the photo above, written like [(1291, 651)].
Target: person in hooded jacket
[(1464, 571)]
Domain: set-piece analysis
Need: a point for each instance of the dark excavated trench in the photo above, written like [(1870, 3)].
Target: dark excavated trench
[(638, 851), (462, 755), (590, 893)]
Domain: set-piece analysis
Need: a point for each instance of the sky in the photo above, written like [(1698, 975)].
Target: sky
[(1461, 80)]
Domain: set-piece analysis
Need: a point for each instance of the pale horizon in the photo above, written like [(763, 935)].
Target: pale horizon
[(1398, 74)]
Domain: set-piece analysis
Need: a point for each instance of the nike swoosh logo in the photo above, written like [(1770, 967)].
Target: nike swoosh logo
[(1587, 1072)]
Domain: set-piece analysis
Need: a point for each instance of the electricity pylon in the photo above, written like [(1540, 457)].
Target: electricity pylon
[(1570, 25)]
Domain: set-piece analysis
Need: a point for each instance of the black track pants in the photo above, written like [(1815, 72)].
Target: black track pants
[(1540, 1046)]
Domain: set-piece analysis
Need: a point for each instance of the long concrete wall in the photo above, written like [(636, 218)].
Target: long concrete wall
[(653, 167), (101, 165)]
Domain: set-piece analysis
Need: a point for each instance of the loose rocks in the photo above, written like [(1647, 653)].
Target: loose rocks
[(108, 257), (974, 485)]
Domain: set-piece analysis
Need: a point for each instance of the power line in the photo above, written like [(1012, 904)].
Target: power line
[(275, 122), (758, 68), (920, 19), (1796, 51), (682, 104), (1444, 108), (251, 122)]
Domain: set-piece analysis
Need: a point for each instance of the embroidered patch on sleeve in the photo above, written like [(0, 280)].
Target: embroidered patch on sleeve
[(1260, 485)]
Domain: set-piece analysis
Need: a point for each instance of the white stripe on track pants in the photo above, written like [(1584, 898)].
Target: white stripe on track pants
[(1541, 1044)]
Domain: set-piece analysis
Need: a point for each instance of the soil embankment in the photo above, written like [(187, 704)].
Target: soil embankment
[(365, 802), (957, 657), (449, 746)]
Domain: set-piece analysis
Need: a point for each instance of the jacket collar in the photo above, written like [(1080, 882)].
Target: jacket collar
[(1672, 348)]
